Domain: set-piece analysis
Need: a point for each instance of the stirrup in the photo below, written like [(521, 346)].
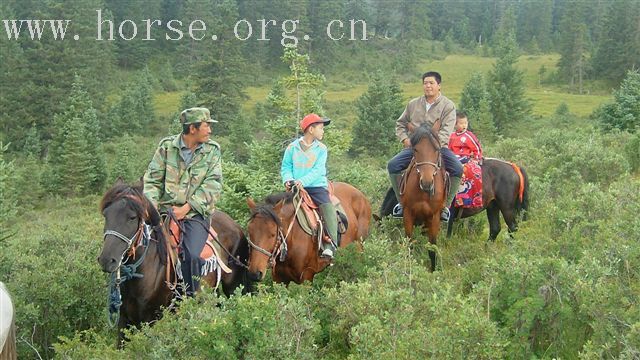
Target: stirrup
[(398, 211), (327, 253), (445, 215)]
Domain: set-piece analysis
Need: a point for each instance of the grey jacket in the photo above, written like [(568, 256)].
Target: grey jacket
[(416, 114)]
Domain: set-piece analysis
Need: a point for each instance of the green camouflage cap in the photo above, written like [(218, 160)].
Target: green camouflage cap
[(196, 115)]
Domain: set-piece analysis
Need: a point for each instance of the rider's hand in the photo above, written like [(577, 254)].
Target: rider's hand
[(406, 143), (293, 183), (181, 211)]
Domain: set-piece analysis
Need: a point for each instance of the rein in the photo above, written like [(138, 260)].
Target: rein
[(125, 271), (280, 247)]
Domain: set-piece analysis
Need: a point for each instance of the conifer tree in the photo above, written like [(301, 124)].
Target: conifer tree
[(76, 158), (618, 49), (378, 108), (134, 111), (624, 112), (7, 200), (506, 87), (218, 77), (475, 103), (573, 46)]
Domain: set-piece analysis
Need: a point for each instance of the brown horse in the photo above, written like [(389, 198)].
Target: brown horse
[(142, 282), (273, 228), (502, 188), (424, 191), (7, 326)]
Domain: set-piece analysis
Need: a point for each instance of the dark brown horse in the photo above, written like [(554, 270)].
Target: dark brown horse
[(424, 188), (273, 228), (501, 188), (140, 262)]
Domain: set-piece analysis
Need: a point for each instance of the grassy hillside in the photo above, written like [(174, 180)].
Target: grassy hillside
[(456, 70)]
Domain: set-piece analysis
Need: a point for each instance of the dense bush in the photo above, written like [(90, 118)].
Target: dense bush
[(565, 286)]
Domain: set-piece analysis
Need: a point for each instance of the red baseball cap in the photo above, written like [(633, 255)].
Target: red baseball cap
[(312, 119)]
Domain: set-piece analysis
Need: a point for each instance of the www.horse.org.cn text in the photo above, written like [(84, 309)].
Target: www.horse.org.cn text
[(176, 30)]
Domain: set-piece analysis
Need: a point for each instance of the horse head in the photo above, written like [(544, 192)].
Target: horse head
[(266, 234), (125, 210), (426, 151)]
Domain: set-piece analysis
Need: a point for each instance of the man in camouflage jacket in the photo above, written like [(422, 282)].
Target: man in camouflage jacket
[(185, 176)]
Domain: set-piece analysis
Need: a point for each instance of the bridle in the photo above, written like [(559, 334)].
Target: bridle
[(129, 241), (431, 189), (280, 247)]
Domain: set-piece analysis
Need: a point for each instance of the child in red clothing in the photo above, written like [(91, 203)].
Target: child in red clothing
[(463, 142), (467, 148)]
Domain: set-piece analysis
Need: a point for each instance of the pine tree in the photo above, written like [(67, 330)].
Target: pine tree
[(506, 87), (305, 96), (473, 92), (218, 78), (304, 83), (7, 200), (190, 52), (534, 24), (624, 112), (47, 67), (14, 116), (618, 50), (32, 143), (122, 166), (474, 102), (482, 122), (320, 13), (76, 157), (135, 53), (573, 49), (134, 111), (378, 108)]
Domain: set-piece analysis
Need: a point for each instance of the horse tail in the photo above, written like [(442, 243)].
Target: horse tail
[(522, 201)]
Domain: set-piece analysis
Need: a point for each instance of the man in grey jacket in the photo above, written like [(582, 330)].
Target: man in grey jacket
[(427, 109)]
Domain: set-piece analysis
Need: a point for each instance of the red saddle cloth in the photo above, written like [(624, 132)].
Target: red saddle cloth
[(470, 192), (207, 252)]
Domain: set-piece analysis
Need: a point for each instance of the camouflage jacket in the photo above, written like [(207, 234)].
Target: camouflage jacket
[(170, 182)]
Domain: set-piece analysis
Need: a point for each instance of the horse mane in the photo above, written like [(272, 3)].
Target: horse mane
[(273, 199), (425, 131), (135, 198), (270, 201)]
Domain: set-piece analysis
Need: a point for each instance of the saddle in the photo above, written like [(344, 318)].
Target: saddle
[(309, 217), (210, 253)]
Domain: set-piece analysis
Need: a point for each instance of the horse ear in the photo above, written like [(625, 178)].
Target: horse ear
[(251, 203), (119, 181)]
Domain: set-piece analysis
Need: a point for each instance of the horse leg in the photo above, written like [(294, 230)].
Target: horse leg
[(433, 228), (493, 215), (123, 323), (452, 218), (408, 222), (509, 217)]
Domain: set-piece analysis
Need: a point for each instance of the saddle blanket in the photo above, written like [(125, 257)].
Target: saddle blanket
[(209, 254), (470, 192)]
